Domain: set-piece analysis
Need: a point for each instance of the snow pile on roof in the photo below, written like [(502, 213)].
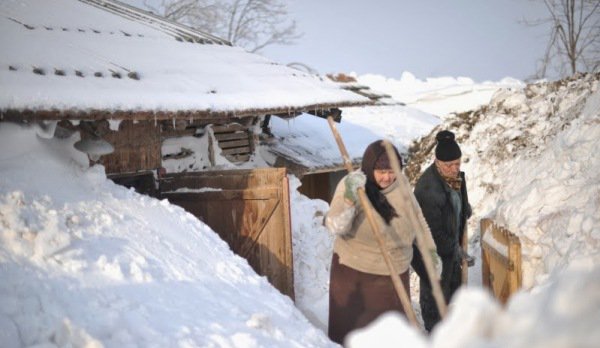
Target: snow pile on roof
[(439, 96), (69, 55), (85, 262)]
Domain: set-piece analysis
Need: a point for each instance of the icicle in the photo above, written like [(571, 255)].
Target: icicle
[(174, 126)]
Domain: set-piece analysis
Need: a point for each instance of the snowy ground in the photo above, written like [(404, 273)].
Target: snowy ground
[(529, 158), (88, 263), (85, 262)]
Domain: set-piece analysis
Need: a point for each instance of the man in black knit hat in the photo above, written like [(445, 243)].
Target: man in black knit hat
[(442, 194)]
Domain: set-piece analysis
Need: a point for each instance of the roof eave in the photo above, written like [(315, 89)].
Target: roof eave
[(138, 115)]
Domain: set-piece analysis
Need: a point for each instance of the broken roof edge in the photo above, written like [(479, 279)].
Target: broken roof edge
[(148, 18), (301, 169), (140, 115)]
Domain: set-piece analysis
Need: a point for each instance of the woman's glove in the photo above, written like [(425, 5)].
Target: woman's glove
[(353, 181), (437, 262)]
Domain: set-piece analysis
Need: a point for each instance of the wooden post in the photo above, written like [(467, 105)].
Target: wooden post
[(514, 255), (421, 229), (485, 262), (364, 202)]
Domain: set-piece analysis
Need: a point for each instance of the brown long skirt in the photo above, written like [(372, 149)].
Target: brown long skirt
[(357, 298)]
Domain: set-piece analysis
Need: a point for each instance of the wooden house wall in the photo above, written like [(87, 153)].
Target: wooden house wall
[(137, 146), (321, 185)]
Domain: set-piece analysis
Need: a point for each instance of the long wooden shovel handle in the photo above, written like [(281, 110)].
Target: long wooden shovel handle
[(401, 291), (465, 265), (419, 233)]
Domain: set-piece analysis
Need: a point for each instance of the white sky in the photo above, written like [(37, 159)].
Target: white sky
[(473, 38)]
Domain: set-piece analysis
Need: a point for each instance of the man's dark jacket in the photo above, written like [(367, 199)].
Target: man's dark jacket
[(433, 195)]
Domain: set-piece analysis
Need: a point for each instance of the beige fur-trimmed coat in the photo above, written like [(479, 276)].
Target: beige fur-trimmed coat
[(355, 243)]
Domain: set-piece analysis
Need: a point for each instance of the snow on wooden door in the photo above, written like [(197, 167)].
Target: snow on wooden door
[(501, 260), (249, 209)]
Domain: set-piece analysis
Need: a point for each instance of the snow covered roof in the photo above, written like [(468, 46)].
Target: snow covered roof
[(306, 144), (68, 59)]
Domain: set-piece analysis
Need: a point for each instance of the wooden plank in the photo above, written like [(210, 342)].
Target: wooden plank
[(485, 262), (137, 146), (501, 272), (228, 128), (211, 115), (211, 151), (231, 136), (496, 254), (177, 133), (235, 151), (514, 253), (236, 143), (258, 226), (500, 235), (238, 158), (286, 231), (224, 195), (232, 179)]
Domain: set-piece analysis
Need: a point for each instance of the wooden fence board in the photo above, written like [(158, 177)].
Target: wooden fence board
[(235, 143), (501, 260), (231, 136)]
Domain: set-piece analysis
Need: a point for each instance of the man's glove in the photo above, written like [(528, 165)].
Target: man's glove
[(353, 181), (437, 262), (466, 257)]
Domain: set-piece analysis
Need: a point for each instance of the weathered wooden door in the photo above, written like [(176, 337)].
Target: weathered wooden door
[(249, 209)]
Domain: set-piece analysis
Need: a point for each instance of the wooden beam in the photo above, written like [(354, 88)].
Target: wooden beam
[(101, 114)]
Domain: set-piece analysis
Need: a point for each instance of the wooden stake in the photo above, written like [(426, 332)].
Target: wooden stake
[(364, 201), (421, 229)]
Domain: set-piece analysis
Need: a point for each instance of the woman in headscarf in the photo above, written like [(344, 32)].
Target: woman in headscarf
[(360, 286)]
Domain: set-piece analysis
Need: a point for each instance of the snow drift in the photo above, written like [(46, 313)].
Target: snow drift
[(87, 263)]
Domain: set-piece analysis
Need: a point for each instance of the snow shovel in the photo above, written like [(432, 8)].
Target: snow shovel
[(421, 231), (364, 202)]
